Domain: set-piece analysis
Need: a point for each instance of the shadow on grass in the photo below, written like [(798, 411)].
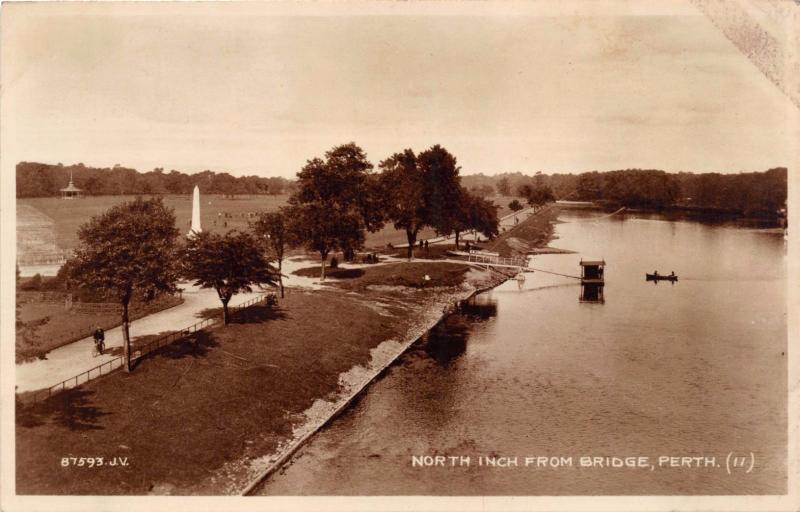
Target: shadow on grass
[(71, 408), (339, 273), (196, 344), (251, 315), (257, 314)]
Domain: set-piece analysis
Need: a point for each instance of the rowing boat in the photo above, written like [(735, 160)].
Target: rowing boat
[(659, 277)]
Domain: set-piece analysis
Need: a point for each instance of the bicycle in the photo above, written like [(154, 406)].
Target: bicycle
[(98, 349)]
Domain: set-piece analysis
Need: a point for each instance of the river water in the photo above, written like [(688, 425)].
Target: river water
[(694, 369)]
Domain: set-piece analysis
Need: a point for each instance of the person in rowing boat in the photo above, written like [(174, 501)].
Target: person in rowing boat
[(655, 273), (672, 274)]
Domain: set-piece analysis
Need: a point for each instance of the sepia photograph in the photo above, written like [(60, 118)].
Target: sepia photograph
[(400, 255)]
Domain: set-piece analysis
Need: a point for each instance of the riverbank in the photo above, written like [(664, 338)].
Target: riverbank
[(533, 233)]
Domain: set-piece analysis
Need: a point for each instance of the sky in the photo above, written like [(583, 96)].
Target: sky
[(260, 89)]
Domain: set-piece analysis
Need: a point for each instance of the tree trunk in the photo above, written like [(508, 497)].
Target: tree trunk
[(322, 275), (225, 317), (412, 241), (126, 335), (457, 233), (280, 275)]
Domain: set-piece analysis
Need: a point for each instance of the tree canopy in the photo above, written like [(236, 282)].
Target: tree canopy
[(403, 187), (336, 202), (442, 188), (230, 264)]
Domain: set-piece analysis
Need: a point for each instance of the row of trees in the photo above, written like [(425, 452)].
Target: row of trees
[(339, 199), (45, 180), (761, 193), (134, 248)]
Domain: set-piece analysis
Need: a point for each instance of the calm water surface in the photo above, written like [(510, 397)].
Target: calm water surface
[(697, 368)]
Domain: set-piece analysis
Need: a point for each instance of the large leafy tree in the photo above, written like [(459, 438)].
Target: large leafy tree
[(128, 249), (230, 264), (475, 213), (273, 229), (403, 185), (336, 202), (442, 188), (322, 232), (483, 217)]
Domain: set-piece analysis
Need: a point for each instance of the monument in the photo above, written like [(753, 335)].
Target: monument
[(195, 228)]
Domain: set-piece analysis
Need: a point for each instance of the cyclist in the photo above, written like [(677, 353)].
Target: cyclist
[(99, 339)]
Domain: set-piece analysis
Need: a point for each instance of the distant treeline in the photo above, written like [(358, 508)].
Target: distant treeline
[(752, 193), (44, 180)]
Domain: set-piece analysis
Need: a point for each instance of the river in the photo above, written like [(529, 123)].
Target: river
[(691, 369)]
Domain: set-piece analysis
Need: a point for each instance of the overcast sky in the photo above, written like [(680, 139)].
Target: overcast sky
[(261, 89)]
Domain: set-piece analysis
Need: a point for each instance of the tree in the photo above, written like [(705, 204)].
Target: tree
[(129, 248), (475, 213), (273, 228), (525, 190), (324, 231), (403, 185), (335, 202), (515, 206), (442, 188), (504, 186), (541, 195), (483, 217), (230, 264)]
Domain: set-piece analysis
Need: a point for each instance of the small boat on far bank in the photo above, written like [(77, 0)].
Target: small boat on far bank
[(659, 277)]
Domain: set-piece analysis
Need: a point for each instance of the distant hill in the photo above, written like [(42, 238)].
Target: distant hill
[(46, 180)]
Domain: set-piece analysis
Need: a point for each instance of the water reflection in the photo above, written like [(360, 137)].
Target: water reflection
[(478, 309), (592, 293), (448, 339)]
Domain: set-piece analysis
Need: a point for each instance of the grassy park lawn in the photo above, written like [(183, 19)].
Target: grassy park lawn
[(407, 274), (221, 395), (69, 215)]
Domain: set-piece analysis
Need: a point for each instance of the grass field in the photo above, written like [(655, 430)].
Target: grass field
[(409, 274), (69, 215)]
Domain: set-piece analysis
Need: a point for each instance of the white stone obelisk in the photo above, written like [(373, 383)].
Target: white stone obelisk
[(195, 212)]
